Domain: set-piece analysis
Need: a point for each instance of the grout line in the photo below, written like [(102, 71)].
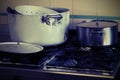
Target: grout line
[(83, 17), (72, 10), (3, 14), (50, 3), (94, 17)]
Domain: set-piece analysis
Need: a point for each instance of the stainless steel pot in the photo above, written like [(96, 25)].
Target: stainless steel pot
[(97, 33)]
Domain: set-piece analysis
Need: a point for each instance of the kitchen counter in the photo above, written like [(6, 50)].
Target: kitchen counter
[(28, 73)]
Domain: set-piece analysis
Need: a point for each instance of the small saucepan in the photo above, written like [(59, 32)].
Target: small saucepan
[(97, 33)]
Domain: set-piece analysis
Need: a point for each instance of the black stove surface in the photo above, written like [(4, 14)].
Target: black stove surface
[(25, 60), (69, 58), (85, 62)]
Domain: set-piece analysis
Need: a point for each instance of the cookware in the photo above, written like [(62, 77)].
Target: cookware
[(97, 33), (20, 47), (12, 11), (39, 26), (32, 10)]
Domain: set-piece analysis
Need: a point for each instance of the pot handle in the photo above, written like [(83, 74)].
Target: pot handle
[(12, 11), (47, 19)]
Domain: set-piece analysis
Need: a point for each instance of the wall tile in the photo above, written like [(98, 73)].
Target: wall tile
[(84, 7), (42, 3), (13, 3), (61, 4), (3, 20), (78, 7), (100, 7), (3, 5), (109, 7)]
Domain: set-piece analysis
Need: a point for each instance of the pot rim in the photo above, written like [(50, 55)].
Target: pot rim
[(86, 21), (59, 10)]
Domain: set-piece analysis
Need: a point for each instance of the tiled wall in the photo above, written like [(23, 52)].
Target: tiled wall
[(77, 7), (83, 7)]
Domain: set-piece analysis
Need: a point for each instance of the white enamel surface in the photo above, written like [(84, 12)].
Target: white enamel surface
[(33, 10), (29, 28), (23, 48)]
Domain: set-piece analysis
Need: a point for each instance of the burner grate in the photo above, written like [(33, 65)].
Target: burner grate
[(85, 61), (33, 60)]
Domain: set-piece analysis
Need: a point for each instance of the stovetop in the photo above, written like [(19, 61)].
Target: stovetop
[(85, 61), (34, 60), (69, 58)]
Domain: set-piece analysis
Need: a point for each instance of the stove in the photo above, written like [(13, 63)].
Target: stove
[(69, 58), (35, 60), (85, 61), (97, 62)]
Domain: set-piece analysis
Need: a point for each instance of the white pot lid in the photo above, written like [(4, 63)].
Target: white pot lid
[(21, 48)]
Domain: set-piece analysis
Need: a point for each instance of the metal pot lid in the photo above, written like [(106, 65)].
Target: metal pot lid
[(20, 48), (97, 24)]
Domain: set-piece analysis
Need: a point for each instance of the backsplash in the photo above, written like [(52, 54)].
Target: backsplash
[(79, 9)]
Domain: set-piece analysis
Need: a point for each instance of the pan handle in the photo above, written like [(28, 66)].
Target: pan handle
[(51, 19)]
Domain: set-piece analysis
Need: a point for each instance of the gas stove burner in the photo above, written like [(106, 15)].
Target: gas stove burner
[(85, 48), (108, 51), (101, 61)]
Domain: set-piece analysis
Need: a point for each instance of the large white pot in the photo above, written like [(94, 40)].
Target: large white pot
[(44, 28)]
